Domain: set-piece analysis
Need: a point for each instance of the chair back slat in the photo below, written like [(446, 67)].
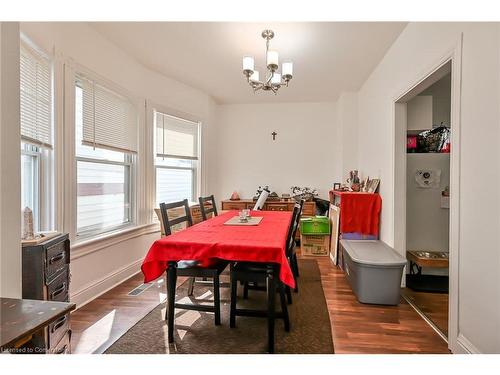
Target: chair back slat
[(168, 223), (294, 226), (207, 210)]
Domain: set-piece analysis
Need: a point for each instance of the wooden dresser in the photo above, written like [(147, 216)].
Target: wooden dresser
[(309, 208), (46, 276)]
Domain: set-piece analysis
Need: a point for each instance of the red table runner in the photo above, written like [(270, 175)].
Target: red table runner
[(211, 239), (359, 212)]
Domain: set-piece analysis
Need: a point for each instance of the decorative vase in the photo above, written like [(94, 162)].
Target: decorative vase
[(235, 196)]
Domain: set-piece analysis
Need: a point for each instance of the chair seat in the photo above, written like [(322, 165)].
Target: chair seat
[(218, 264), (250, 267)]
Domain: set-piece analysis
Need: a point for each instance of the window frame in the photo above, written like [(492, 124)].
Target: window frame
[(129, 161), (196, 171), (32, 150), (44, 153)]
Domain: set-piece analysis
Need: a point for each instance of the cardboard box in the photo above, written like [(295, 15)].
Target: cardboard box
[(315, 225), (315, 245)]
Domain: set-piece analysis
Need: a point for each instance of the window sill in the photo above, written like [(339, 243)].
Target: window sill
[(87, 246)]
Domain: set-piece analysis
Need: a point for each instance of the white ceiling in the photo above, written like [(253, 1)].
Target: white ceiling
[(329, 57)]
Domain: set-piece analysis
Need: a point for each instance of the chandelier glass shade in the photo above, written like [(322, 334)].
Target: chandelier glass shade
[(273, 80)]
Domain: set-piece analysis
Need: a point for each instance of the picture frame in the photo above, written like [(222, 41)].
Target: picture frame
[(373, 185)]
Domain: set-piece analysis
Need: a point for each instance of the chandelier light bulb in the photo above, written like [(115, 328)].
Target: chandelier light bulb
[(276, 79), (255, 76), (272, 59), (287, 69), (248, 63)]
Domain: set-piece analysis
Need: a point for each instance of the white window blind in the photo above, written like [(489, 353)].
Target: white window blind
[(109, 119), (35, 97), (176, 137)]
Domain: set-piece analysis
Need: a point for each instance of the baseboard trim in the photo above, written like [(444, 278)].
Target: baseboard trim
[(94, 290), (466, 345)]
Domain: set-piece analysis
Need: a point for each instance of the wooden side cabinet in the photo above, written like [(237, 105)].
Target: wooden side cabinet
[(309, 208), (46, 277)]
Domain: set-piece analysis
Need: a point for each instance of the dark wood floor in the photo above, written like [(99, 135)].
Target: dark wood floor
[(361, 328), (356, 328), (433, 305)]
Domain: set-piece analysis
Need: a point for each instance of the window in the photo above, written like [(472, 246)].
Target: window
[(30, 181), (176, 161), (36, 133), (105, 156)]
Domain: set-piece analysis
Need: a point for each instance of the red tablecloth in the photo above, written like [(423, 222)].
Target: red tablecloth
[(359, 212), (212, 239)]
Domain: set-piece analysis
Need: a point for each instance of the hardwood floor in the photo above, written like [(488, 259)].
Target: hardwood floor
[(102, 321), (356, 328), (360, 328), (433, 305)]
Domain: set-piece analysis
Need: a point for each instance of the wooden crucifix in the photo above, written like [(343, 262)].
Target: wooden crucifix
[(274, 134)]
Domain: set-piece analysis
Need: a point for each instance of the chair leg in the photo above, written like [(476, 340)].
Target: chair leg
[(172, 280), (271, 293), (288, 294), (284, 308), (245, 290), (296, 273), (296, 263), (191, 286), (217, 299), (232, 310)]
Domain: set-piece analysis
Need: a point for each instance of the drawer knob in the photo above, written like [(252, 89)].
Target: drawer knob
[(56, 258), (58, 291), (59, 324)]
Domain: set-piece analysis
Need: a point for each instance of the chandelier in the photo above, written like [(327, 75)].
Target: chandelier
[(273, 79)]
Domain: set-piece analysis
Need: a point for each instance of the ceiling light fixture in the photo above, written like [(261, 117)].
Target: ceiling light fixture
[(273, 79)]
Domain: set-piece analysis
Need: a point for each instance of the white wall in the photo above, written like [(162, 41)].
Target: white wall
[(441, 100), (419, 48), (347, 112), (427, 224), (96, 267), (10, 174), (305, 152)]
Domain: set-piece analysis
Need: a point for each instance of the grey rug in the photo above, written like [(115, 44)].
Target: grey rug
[(196, 332)]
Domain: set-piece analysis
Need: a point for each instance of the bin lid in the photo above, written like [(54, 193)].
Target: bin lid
[(372, 252)]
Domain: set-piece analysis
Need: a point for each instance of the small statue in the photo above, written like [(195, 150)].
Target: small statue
[(235, 196), (28, 233)]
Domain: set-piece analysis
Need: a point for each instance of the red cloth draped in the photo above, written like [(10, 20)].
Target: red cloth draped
[(211, 239), (359, 212)]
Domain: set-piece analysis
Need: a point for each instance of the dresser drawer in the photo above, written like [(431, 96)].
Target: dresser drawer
[(277, 207), (309, 209), (234, 205), (63, 346), (56, 259), (58, 289), (58, 329)]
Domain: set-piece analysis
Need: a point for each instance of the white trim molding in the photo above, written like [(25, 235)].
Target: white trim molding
[(84, 248), (465, 345), (108, 282), (453, 55)]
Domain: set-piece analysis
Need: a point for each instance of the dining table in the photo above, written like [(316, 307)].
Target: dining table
[(215, 239)]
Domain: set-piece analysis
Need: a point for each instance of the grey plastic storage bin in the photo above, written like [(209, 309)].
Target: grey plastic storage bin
[(374, 271)]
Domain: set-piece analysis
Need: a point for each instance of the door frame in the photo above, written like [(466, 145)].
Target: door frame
[(453, 56)]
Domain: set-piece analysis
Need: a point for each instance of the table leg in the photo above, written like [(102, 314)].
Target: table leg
[(171, 286), (271, 294)]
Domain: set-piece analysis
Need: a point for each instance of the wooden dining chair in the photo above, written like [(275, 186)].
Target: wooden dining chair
[(291, 248), (207, 210), (189, 268), (290, 254), (257, 274)]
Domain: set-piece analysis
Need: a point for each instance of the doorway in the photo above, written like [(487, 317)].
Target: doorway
[(426, 164), (428, 134)]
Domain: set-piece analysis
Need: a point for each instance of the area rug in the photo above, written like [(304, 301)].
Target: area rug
[(196, 332)]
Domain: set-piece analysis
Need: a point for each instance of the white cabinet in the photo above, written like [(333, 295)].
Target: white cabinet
[(419, 111)]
